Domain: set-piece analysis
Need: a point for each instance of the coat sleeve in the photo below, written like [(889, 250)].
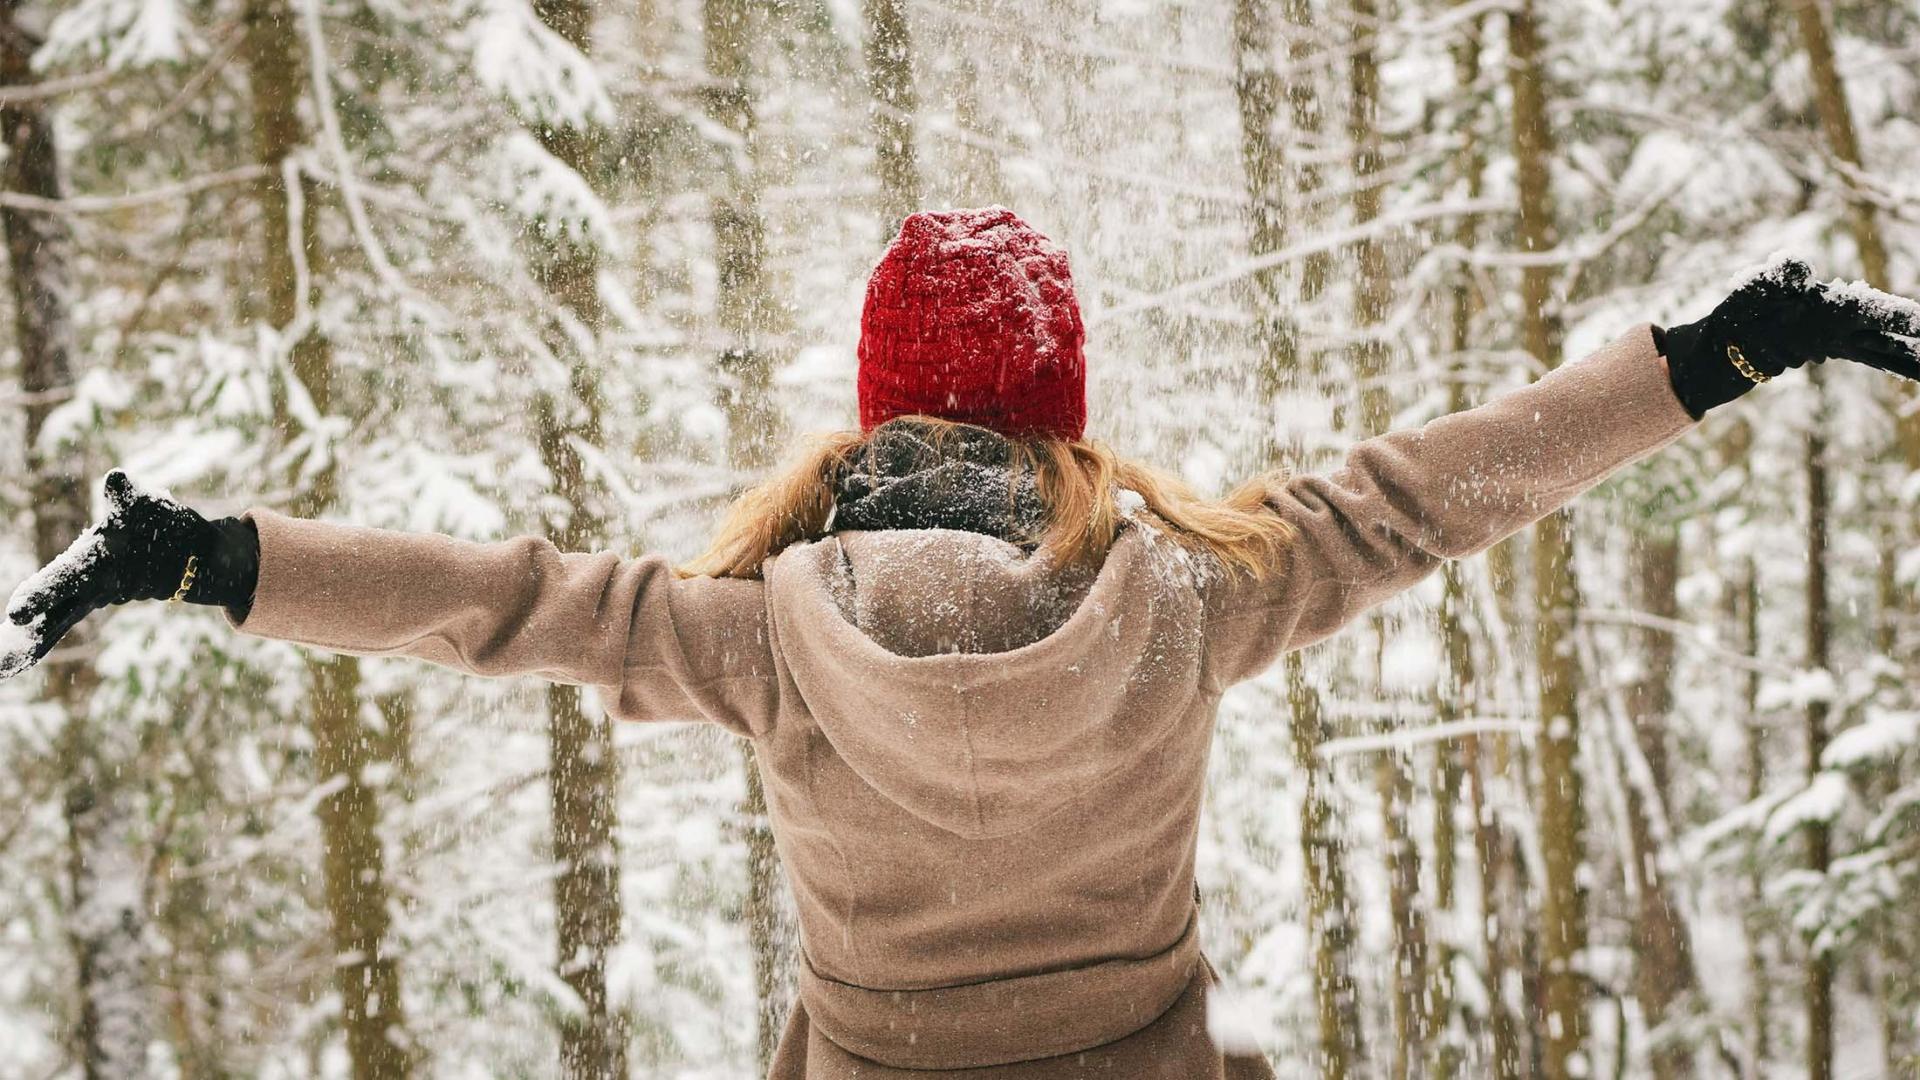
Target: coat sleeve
[(1404, 502), (658, 646)]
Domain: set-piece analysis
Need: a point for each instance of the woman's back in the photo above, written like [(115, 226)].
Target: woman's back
[(986, 767)]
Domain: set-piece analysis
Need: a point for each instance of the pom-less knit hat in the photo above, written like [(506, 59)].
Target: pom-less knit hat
[(970, 316)]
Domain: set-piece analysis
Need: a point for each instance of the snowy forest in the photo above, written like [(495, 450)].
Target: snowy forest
[(1635, 794)]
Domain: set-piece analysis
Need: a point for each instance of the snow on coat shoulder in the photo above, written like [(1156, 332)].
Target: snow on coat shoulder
[(977, 686)]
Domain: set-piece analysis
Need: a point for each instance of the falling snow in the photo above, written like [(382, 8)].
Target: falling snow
[(520, 250)]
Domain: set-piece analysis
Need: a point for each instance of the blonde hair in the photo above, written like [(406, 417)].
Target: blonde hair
[(1080, 483)]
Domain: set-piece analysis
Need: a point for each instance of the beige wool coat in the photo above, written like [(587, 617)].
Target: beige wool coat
[(985, 776)]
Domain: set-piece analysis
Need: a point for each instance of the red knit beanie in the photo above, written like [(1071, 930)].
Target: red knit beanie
[(970, 316)]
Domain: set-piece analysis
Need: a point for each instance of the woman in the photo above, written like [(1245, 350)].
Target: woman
[(979, 657)]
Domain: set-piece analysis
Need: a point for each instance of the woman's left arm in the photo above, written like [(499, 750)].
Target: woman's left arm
[(1405, 502)]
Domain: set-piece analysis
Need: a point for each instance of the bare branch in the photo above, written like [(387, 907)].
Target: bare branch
[(1330, 241), (106, 204), (52, 88)]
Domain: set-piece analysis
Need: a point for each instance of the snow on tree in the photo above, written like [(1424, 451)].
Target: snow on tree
[(503, 267)]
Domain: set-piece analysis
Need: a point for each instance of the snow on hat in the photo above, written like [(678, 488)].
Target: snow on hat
[(970, 316)]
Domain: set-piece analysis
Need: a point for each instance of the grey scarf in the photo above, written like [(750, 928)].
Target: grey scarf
[(902, 480)]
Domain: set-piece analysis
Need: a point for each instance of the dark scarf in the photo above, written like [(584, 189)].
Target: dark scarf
[(904, 479)]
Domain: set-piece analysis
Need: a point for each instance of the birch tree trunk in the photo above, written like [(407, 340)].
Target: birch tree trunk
[(1329, 910), (1556, 597), (366, 973), (584, 773), (106, 880), (896, 104), (748, 319)]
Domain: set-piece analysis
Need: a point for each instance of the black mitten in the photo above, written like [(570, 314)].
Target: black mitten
[(1780, 318), (148, 548)]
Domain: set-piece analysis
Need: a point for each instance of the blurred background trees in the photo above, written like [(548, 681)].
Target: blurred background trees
[(1636, 794)]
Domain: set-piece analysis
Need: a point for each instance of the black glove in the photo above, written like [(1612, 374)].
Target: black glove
[(1780, 319), (142, 551)]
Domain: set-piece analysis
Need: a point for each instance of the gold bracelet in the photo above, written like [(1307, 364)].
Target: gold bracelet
[(186, 580), (1740, 364)]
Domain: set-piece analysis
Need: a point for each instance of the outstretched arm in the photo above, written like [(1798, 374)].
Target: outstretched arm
[(1405, 502), (148, 547), (661, 648)]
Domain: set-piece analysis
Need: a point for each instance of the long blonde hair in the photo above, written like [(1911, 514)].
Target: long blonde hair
[(1081, 484)]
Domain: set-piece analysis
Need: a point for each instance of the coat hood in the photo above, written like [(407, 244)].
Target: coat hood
[(975, 685)]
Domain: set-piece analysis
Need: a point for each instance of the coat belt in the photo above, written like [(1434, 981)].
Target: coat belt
[(1001, 1021)]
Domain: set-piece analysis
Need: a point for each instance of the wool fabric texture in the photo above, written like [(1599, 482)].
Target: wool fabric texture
[(984, 772), (905, 478), (970, 316)]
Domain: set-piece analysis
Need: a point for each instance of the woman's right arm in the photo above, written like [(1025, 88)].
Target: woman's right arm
[(658, 646), (661, 646)]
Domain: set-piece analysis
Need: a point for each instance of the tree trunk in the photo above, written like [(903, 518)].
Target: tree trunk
[(354, 865), (1819, 971), (1329, 911), (366, 974), (1664, 977), (1759, 984), (1330, 915), (1452, 703), (584, 773), (889, 48), (1411, 993), (1303, 103), (1459, 696), (1258, 89), (1836, 120), (1742, 613), (1499, 911), (748, 318), (1556, 597), (1373, 287), (106, 921), (1456, 767), (978, 181)]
